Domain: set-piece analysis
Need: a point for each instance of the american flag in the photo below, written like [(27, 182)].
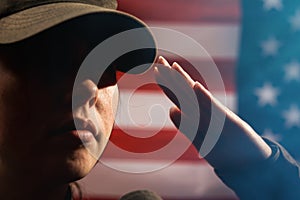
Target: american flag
[(260, 70), (268, 73)]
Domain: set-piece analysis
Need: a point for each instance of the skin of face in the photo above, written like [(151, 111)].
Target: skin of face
[(37, 131)]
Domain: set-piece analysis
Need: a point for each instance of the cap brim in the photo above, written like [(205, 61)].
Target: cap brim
[(27, 23)]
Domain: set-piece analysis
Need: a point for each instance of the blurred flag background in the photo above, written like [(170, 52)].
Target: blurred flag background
[(268, 72), (254, 45)]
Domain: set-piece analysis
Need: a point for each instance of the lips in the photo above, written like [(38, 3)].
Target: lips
[(81, 128), (85, 125)]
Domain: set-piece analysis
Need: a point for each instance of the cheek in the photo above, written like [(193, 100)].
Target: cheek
[(107, 105), (11, 104), (14, 114)]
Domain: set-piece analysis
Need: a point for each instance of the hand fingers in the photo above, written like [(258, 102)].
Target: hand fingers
[(195, 118), (175, 115), (176, 85), (163, 61), (179, 69), (203, 95), (179, 86), (165, 85), (207, 102), (177, 90), (213, 112)]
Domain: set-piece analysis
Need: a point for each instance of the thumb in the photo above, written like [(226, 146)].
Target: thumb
[(175, 115)]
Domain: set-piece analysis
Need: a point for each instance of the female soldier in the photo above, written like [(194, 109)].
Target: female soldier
[(46, 141)]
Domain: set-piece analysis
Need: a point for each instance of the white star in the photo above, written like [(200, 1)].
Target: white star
[(270, 135), (270, 47), (292, 71), (295, 21), (292, 116), (272, 4), (267, 95)]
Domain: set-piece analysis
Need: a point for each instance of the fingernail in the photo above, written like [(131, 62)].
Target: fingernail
[(198, 86), (175, 64), (162, 60)]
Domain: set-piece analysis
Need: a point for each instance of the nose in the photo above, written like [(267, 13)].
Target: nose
[(84, 93)]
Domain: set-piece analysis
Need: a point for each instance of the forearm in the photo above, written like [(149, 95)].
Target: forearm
[(238, 145), (276, 178)]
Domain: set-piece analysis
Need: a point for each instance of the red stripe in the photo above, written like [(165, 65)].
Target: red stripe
[(225, 11), (225, 67), (191, 12), (136, 142)]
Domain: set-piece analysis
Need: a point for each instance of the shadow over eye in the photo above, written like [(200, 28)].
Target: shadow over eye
[(108, 78)]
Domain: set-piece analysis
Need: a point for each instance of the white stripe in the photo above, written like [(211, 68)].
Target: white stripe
[(179, 180), (151, 109), (219, 40)]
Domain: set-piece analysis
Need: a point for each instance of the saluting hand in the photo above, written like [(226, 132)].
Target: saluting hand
[(197, 113)]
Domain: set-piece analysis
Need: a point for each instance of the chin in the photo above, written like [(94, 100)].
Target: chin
[(69, 166), (79, 165)]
